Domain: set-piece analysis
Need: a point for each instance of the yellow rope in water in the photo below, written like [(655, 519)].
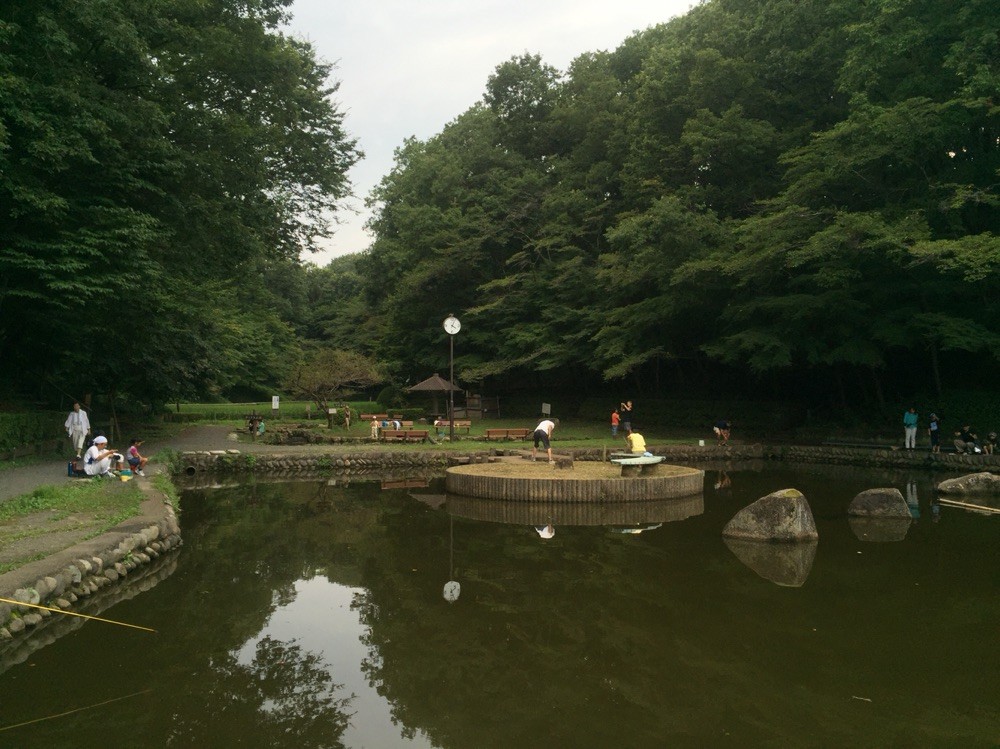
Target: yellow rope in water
[(73, 613), (74, 710), (966, 505)]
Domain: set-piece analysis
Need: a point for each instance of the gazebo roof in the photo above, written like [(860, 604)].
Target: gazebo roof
[(435, 383)]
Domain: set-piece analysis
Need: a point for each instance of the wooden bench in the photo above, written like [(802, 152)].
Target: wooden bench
[(444, 425), (369, 417), (404, 435), (508, 434), (638, 464)]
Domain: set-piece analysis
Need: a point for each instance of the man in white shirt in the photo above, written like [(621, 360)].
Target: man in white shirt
[(543, 433), (77, 427), (98, 459)]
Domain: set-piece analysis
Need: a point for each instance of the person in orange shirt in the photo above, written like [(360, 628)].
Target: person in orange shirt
[(615, 420)]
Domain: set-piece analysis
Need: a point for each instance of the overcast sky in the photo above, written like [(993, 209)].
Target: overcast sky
[(410, 67)]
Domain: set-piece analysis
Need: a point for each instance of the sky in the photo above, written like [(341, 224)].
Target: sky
[(408, 67)]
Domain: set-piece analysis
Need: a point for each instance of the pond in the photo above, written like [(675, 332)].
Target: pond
[(312, 615)]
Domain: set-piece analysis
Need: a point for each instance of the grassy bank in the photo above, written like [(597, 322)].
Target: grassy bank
[(37, 524)]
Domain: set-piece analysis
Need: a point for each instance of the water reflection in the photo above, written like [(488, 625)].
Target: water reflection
[(324, 604), (912, 500), (785, 564), (545, 531), (580, 514), (879, 529)]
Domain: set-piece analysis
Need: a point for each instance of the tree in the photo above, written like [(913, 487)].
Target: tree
[(153, 158), (327, 375)]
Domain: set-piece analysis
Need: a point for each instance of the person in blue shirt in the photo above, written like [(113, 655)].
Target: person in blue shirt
[(910, 427)]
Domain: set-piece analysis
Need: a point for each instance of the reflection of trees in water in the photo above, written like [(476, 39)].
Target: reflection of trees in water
[(247, 547), (283, 697), (619, 640)]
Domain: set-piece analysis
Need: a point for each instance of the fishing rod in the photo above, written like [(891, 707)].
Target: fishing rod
[(73, 613)]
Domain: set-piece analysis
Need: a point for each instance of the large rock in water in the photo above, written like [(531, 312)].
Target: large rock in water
[(783, 515), (974, 483), (879, 503)]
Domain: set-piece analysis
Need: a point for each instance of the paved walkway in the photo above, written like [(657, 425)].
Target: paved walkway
[(26, 479)]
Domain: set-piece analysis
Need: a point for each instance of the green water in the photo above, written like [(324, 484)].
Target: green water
[(312, 615)]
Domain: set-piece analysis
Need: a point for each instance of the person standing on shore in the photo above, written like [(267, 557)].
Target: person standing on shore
[(77, 427), (934, 430), (543, 436), (910, 427), (626, 415)]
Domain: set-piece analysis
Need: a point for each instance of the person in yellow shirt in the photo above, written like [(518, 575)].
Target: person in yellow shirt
[(636, 443)]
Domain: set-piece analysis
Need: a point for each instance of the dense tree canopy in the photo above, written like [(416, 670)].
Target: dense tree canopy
[(791, 196), (158, 161), (767, 187)]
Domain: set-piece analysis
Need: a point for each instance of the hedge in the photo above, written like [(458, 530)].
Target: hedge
[(20, 429)]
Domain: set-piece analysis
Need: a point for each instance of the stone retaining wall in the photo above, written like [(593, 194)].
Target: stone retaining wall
[(859, 456), (374, 460), (52, 626), (313, 465), (62, 580)]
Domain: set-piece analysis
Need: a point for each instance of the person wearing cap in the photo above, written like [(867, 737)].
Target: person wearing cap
[(99, 457), (934, 430)]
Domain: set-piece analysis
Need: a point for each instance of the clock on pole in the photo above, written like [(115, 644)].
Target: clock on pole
[(451, 327)]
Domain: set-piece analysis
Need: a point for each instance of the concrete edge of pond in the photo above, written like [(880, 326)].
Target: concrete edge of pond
[(65, 579)]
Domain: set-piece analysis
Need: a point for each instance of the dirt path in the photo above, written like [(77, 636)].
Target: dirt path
[(25, 479)]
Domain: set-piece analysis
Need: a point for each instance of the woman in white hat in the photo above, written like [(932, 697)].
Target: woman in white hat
[(98, 459)]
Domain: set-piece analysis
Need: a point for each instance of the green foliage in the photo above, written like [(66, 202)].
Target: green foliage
[(392, 396), (155, 161), (794, 197), (327, 375), (110, 499), (20, 429)]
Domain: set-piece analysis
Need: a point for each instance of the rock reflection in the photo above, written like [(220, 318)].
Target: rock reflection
[(880, 530), (785, 564)]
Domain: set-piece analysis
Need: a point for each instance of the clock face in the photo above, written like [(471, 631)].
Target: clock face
[(452, 325)]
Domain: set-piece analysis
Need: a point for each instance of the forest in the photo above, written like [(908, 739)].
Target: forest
[(776, 199)]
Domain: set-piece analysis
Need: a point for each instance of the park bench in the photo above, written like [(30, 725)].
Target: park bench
[(445, 425), (507, 434), (404, 435), (369, 417), (637, 464)]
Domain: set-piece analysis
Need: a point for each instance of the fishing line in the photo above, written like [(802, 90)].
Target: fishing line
[(74, 710)]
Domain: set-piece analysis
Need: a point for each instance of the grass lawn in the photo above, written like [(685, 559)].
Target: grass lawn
[(53, 517), (568, 434)]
